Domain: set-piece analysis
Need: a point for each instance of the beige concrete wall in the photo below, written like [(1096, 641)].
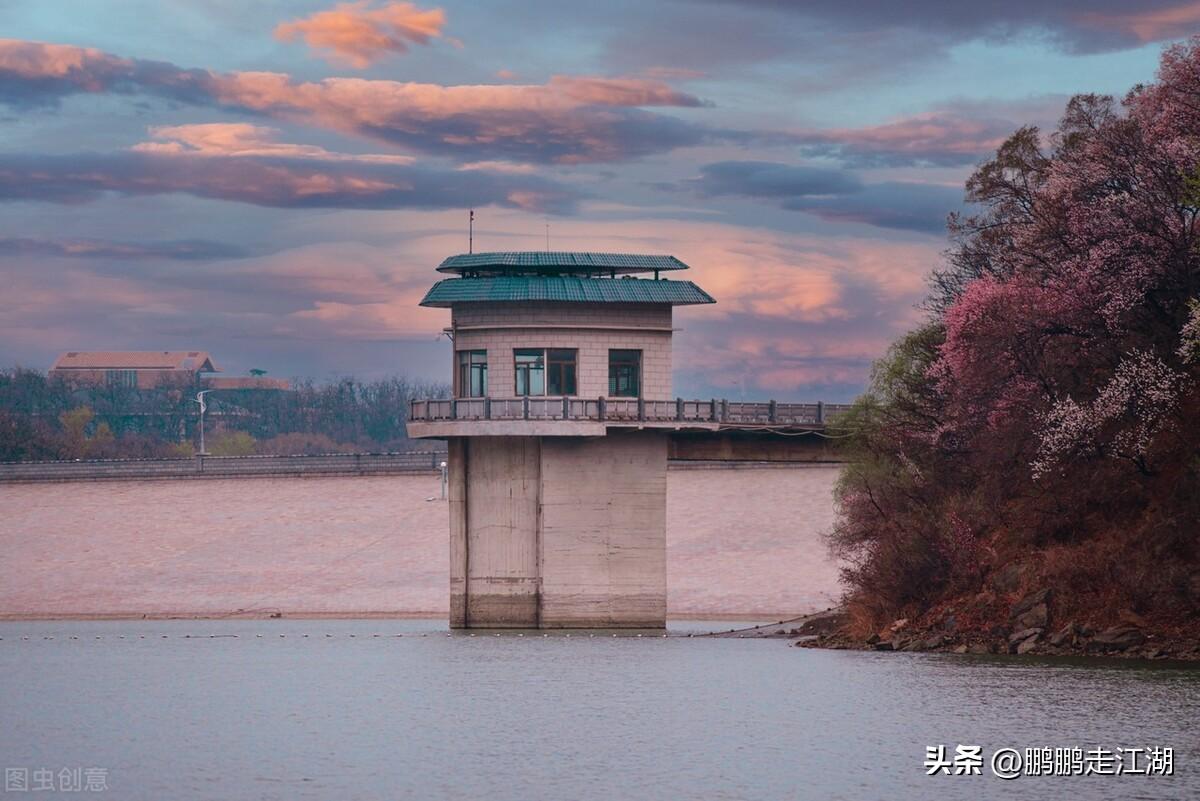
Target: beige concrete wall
[(591, 329), (494, 532), (558, 532), (604, 529)]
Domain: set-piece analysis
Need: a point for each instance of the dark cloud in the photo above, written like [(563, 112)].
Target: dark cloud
[(273, 181), (899, 205), (773, 180), (174, 250), (833, 195)]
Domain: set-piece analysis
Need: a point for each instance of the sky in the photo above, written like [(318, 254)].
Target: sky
[(275, 182)]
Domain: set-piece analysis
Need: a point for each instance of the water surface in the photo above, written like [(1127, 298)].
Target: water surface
[(344, 714)]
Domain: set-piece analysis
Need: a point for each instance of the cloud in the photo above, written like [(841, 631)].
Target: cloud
[(798, 316), (773, 180), (244, 139), (272, 180), (935, 138), (833, 195), (1148, 23), (1083, 26), (175, 250), (568, 119), (360, 34), (900, 205), (959, 133)]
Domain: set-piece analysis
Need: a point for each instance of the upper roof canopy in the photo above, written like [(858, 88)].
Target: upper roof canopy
[(557, 263), (563, 288)]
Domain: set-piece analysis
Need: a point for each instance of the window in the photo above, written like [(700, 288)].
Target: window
[(624, 373), (531, 372), (560, 372), (127, 379), (546, 372), (472, 373)]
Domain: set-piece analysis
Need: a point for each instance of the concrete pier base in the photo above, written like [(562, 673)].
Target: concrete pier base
[(558, 532)]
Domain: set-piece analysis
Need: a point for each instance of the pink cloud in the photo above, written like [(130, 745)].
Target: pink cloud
[(243, 139), (359, 33), (568, 119), (1146, 25), (958, 133)]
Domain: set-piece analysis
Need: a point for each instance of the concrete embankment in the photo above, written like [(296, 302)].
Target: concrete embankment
[(331, 464), (743, 543)]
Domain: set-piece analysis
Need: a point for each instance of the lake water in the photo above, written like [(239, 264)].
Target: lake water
[(349, 710), (738, 541), (402, 709)]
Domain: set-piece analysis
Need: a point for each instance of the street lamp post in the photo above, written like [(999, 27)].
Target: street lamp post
[(203, 407)]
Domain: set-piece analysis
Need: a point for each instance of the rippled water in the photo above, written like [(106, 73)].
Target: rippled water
[(344, 714)]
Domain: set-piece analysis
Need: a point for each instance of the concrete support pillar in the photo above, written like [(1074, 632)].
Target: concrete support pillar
[(457, 497), (558, 532)]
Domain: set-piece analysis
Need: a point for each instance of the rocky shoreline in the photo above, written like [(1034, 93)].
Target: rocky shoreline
[(1028, 629)]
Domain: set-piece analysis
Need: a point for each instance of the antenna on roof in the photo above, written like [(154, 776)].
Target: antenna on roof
[(471, 232)]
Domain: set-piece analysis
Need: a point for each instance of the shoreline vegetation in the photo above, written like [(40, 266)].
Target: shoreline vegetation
[(1024, 470), (48, 418)]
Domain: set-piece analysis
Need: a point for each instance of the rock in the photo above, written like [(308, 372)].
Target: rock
[(898, 643), (874, 638), (1037, 617), (1007, 578), (825, 622), (914, 645), (1019, 638), (1132, 618), (882, 645), (1033, 599), (978, 648), (1027, 645), (1117, 638), (984, 598), (932, 642), (1063, 636), (962, 649), (898, 624)]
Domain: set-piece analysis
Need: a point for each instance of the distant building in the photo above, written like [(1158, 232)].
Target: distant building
[(149, 369)]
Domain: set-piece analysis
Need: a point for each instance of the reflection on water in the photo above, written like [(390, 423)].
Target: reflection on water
[(738, 541), (350, 710)]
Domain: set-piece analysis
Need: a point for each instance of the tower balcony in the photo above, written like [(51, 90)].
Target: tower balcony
[(593, 417)]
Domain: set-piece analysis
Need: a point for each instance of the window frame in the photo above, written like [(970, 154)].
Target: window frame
[(549, 365), (468, 366), (557, 362), (615, 366)]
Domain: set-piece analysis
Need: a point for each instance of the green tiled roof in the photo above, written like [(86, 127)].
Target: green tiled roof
[(548, 262), (563, 288)]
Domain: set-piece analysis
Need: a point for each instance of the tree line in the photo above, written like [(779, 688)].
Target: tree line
[(46, 418)]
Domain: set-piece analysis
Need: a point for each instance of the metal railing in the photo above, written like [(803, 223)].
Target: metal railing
[(724, 412)]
